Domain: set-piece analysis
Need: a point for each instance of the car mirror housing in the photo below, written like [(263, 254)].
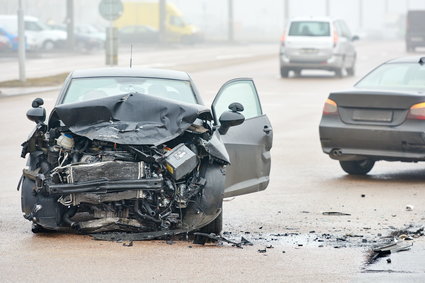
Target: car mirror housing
[(37, 114), (231, 118)]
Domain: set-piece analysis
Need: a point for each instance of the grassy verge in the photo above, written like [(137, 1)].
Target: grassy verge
[(34, 82)]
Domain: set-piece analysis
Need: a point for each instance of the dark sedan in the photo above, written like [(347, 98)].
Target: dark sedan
[(381, 118), (137, 151)]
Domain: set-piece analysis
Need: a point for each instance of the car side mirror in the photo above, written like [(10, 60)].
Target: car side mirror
[(231, 118), (37, 114), (355, 37)]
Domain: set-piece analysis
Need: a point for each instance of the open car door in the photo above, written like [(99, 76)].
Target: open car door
[(248, 144)]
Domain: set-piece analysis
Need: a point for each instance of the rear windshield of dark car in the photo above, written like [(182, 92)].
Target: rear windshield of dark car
[(395, 76), (309, 28)]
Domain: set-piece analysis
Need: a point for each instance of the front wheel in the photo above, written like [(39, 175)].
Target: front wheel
[(284, 72), (216, 226), (358, 167), (48, 45)]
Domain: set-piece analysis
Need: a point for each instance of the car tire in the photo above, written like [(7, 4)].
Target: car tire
[(36, 229), (216, 226), (338, 73), (297, 72), (48, 45), (352, 70), (357, 167), (284, 72)]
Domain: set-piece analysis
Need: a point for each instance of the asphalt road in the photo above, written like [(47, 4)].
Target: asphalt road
[(303, 244)]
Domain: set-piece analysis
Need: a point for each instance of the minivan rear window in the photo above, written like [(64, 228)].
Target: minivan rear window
[(309, 28)]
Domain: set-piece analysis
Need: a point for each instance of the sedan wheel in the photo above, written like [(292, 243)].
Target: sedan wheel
[(284, 72), (359, 167)]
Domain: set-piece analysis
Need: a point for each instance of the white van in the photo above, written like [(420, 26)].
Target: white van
[(317, 43), (37, 35)]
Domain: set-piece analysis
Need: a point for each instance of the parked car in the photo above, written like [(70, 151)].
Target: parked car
[(415, 29), (138, 34), (317, 43), (137, 151), (4, 42), (381, 118), (37, 35), (87, 37)]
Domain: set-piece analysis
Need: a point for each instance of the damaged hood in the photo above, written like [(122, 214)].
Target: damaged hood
[(129, 119)]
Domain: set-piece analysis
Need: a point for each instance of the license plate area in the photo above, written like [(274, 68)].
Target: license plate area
[(309, 51), (373, 115)]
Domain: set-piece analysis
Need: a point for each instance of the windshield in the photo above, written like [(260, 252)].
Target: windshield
[(395, 76), (309, 28), (83, 89)]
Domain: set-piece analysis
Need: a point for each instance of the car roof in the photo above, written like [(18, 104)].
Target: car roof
[(131, 72), (308, 19), (13, 17), (409, 59)]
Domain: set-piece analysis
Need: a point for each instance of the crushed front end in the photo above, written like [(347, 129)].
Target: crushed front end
[(96, 171)]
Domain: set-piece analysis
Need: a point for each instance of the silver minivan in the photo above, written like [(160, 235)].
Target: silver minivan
[(317, 43)]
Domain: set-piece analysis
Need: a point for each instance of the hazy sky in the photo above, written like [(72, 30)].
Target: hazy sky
[(253, 19)]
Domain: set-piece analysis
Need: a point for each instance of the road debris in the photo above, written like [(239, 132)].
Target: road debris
[(200, 239), (409, 207), (335, 213)]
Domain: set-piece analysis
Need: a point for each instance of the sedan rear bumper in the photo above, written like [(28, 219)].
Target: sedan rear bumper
[(377, 142)]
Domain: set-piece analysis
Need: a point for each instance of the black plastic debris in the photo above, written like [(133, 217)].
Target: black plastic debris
[(199, 237), (123, 236), (335, 213), (129, 244), (388, 260), (392, 247), (262, 251)]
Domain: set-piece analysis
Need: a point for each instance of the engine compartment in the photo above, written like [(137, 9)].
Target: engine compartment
[(91, 186)]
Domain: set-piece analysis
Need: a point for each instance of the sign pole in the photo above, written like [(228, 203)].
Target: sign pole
[(21, 43)]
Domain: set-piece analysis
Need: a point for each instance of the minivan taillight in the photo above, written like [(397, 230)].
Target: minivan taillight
[(283, 39), (417, 112), (330, 107), (335, 38)]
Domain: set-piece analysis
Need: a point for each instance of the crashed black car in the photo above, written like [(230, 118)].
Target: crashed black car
[(136, 150)]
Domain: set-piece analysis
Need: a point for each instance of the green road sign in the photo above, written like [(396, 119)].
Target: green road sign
[(111, 10)]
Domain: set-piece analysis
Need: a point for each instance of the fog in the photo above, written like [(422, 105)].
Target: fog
[(253, 20)]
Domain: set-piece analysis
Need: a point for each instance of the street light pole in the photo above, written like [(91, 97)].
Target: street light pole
[(70, 23), (21, 43), (286, 10), (360, 14), (162, 18), (328, 8), (230, 21)]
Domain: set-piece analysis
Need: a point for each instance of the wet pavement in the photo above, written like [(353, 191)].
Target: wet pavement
[(294, 237)]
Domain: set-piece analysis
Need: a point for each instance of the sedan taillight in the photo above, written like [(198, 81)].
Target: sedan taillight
[(417, 112), (330, 108)]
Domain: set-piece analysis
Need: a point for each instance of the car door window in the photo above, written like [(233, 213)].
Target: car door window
[(239, 90), (33, 26)]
